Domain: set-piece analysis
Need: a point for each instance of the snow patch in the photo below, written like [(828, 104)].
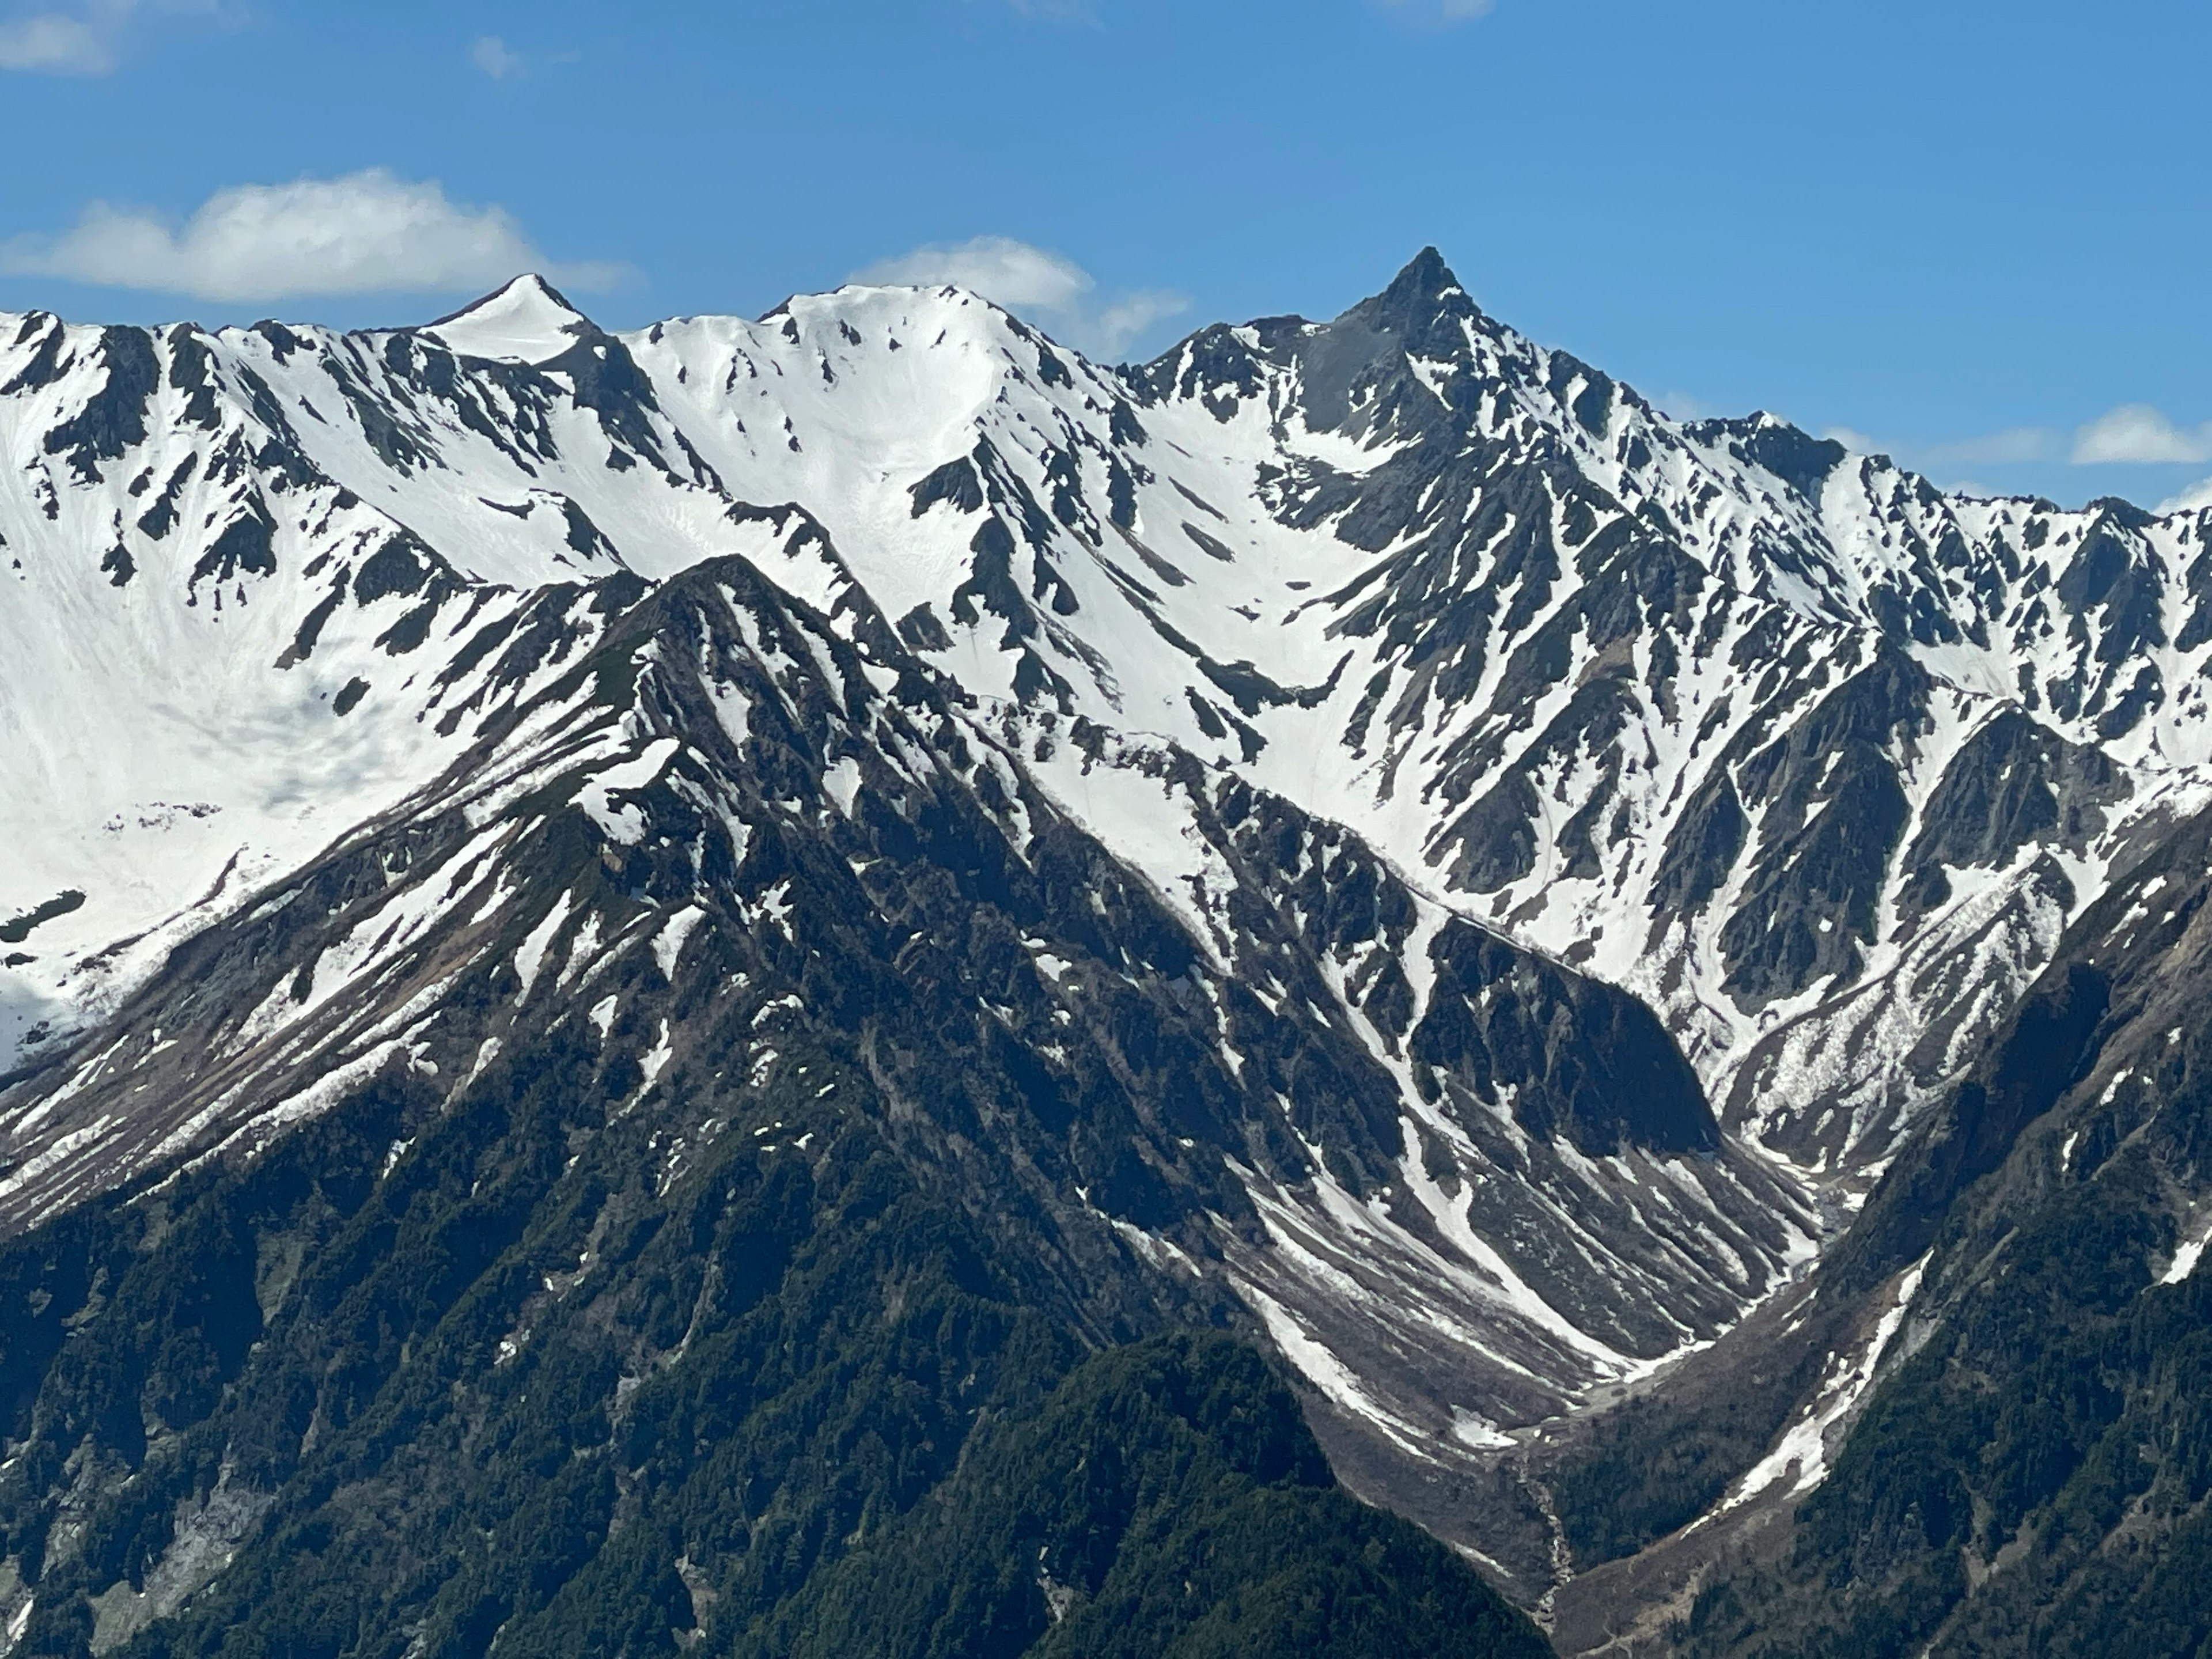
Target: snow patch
[(529, 957), (668, 944)]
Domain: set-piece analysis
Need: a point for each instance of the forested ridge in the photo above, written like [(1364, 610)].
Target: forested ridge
[(448, 1383)]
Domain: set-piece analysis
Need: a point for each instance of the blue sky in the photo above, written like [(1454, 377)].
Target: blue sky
[(1975, 233)]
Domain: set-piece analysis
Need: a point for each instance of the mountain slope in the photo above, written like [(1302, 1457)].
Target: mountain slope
[(598, 1196), (726, 822), (2027, 1473), (1367, 831)]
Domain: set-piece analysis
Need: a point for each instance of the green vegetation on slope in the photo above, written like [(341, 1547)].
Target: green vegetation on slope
[(437, 1377), (1167, 1502)]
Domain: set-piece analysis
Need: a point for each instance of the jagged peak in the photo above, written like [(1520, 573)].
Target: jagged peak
[(1425, 313), (1421, 293), (1796, 457), (1426, 277), (527, 321)]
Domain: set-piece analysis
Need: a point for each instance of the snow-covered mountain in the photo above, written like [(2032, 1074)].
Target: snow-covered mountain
[(1369, 703)]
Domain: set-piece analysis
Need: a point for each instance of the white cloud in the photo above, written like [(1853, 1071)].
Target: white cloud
[(2015, 445), (367, 233), (1016, 274), (1032, 282), (1129, 319), (2136, 434), (2199, 495), (1440, 11), (54, 43), (83, 39), (496, 58)]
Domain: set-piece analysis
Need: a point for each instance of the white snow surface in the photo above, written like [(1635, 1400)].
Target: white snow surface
[(2186, 1258), (525, 322)]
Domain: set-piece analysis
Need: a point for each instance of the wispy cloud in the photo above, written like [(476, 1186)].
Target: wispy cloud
[(1015, 274), (1044, 287), (54, 43), (84, 39), (2134, 434), (2199, 495), (2015, 445), (367, 233), (2138, 434), (1682, 405), (496, 58), (1119, 326), (1439, 11)]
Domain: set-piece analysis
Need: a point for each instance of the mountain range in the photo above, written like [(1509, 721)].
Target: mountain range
[(846, 983)]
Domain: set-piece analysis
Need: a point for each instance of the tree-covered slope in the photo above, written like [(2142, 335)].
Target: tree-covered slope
[(622, 954), (715, 845), (420, 1379), (1166, 1502)]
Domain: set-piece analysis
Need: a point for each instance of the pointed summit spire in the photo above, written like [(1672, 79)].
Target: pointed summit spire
[(1424, 312), (1425, 277), (527, 321), (1420, 296)]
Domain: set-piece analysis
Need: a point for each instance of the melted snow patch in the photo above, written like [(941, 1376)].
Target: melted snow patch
[(1321, 1368), (668, 944), (581, 951), (842, 783), (1472, 1430), (1803, 1450), (625, 824), (774, 906), (653, 1063), (530, 956), (733, 712), (2186, 1258), (487, 1052), (66, 1147), (318, 1097)]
